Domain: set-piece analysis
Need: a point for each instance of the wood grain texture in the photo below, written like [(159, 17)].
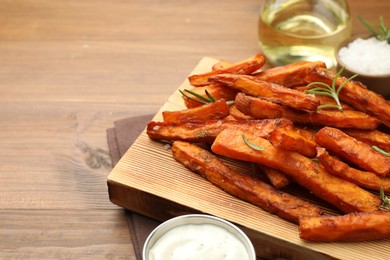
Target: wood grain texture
[(68, 70), (64, 234), (148, 180)]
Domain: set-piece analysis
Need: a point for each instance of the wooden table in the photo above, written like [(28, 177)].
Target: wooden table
[(68, 70)]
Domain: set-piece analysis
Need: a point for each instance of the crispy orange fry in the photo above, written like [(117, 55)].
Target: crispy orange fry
[(260, 108), (244, 67), (242, 186), (344, 195), (230, 117), (291, 74), (215, 110), (215, 90), (361, 226), (353, 150), (271, 91), (207, 131), (355, 94), (238, 115), (222, 64), (294, 139), (362, 178), (277, 178), (371, 137)]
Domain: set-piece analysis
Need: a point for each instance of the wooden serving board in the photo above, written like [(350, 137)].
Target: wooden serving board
[(147, 180)]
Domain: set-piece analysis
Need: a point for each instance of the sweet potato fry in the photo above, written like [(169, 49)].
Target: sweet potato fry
[(353, 150), (260, 109), (363, 226), (244, 67), (270, 91), (215, 110), (230, 118), (344, 195), (242, 186), (371, 137), (290, 75), (277, 178), (238, 115), (222, 64), (215, 90), (355, 94), (361, 178), (207, 131), (294, 139)]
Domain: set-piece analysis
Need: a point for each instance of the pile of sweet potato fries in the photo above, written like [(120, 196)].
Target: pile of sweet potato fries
[(335, 145)]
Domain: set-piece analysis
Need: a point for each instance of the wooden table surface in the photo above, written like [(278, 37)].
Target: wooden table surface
[(68, 70)]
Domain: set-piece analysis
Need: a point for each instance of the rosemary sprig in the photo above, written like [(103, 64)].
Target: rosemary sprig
[(382, 34), (385, 199), (251, 145), (201, 99), (329, 91), (376, 148), (209, 96), (315, 160)]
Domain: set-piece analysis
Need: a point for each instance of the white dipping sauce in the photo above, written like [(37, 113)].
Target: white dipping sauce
[(200, 242)]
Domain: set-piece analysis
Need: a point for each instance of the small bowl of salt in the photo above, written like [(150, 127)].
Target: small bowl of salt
[(370, 59)]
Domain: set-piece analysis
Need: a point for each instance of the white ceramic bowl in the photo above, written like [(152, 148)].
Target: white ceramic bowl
[(197, 219), (377, 83)]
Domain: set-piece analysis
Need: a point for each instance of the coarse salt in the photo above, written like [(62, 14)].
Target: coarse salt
[(367, 56)]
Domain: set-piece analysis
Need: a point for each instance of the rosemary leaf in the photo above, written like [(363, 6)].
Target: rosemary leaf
[(376, 148), (383, 34), (368, 25), (191, 98), (384, 198), (251, 145), (319, 91), (345, 82), (334, 81), (212, 99), (315, 160), (207, 100), (318, 83), (202, 99), (328, 106)]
